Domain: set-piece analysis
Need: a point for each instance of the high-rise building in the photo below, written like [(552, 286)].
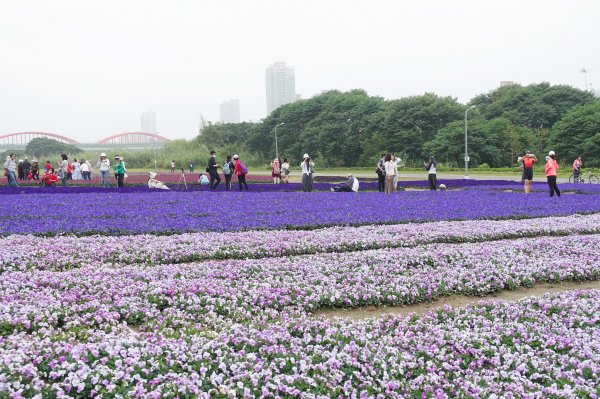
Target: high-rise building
[(149, 122), (281, 86), (230, 111), (506, 83)]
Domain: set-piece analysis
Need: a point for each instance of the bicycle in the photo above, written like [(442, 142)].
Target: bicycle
[(589, 176)]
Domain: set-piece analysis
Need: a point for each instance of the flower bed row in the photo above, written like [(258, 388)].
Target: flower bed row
[(24, 252), (178, 212), (215, 292), (538, 348)]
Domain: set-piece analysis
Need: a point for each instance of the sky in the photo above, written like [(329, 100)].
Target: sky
[(88, 69)]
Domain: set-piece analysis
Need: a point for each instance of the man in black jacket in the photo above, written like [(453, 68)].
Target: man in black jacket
[(212, 169)]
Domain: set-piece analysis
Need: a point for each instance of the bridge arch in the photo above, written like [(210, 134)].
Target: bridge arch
[(22, 138), (133, 138)]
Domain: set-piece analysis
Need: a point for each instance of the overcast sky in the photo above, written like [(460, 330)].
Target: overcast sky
[(88, 69)]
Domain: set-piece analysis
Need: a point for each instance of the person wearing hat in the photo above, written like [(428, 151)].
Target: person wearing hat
[(528, 161), (10, 166), (103, 166), (241, 171), (308, 168), (551, 169), (153, 183), (119, 169), (350, 186)]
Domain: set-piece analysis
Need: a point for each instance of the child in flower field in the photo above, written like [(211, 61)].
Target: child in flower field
[(49, 178)]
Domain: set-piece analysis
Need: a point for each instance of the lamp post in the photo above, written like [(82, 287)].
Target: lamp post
[(466, 145), (276, 148)]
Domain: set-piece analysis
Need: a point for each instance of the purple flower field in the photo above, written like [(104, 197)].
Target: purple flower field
[(138, 210), (136, 293)]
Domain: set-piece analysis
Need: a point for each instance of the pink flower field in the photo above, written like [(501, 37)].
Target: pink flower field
[(233, 314)]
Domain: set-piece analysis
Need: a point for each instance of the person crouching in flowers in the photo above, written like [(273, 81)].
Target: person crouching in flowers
[(551, 169), (153, 183), (49, 178)]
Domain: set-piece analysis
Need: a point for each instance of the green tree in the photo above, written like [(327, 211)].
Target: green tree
[(484, 143), (534, 106), (43, 146), (578, 133), (413, 121)]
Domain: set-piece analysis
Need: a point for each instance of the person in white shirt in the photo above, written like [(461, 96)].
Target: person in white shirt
[(104, 166), (350, 186), (10, 165), (430, 168), (85, 169), (398, 163), (285, 171), (308, 168), (390, 173), (153, 183)]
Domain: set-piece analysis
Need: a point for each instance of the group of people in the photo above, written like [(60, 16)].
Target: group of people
[(387, 173), (280, 171), (528, 160), (232, 165)]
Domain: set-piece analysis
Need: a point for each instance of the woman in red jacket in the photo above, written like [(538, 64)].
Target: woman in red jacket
[(551, 169)]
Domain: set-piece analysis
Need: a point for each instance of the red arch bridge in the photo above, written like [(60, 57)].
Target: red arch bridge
[(126, 138)]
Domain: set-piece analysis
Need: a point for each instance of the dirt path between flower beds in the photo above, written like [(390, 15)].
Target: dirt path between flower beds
[(455, 301)]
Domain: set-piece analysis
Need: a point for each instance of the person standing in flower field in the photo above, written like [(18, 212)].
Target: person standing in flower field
[(35, 170), (191, 166), (276, 170), (173, 166), (390, 174), (528, 160), (63, 172), (551, 170), (285, 171), (431, 173), (213, 170), (308, 169), (228, 170), (241, 171), (104, 166), (380, 170), (10, 166), (119, 171)]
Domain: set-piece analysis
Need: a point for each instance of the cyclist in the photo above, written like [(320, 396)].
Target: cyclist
[(577, 164)]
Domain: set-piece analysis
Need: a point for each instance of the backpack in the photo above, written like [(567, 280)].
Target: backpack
[(243, 168), (226, 169)]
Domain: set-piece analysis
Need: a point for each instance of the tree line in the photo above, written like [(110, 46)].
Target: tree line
[(344, 129)]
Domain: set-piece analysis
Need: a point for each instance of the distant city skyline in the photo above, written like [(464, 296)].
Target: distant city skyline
[(230, 111), (148, 120), (280, 83), (87, 69)]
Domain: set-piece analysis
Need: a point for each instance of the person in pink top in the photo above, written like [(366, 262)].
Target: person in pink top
[(551, 169)]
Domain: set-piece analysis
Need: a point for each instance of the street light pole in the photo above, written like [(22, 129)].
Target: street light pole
[(466, 145), (276, 148)]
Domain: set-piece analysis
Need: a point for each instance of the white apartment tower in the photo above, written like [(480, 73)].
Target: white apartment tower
[(230, 111), (149, 122), (281, 86)]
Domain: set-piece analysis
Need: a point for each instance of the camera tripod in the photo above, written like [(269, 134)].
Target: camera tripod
[(182, 178)]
